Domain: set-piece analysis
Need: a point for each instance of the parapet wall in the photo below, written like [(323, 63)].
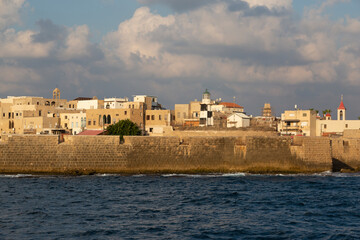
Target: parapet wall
[(106, 154)]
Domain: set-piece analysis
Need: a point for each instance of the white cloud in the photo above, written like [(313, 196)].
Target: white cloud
[(215, 42), (20, 45), (76, 44), (270, 3), (9, 12)]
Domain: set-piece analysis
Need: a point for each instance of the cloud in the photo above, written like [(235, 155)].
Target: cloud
[(179, 6), (256, 50), (9, 12), (20, 45)]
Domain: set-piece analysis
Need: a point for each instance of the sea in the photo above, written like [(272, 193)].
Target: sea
[(180, 206)]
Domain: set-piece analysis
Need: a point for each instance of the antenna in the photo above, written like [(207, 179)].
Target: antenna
[(342, 97)]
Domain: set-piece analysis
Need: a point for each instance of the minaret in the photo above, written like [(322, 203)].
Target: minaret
[(341, 111)]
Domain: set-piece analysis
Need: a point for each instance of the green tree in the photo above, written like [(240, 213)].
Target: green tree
[(312, 109), (123, 128), (326, 111)]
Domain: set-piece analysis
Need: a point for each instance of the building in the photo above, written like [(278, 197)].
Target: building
[(228, 108), (238, 120), (35, 115), (93, 103), (328, 126), (158, 122), (298, 122), (150, 102), (74, 123), (115, 103), (99, 119)]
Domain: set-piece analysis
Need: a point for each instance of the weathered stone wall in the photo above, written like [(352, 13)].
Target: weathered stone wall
[(346, 152), (222, 133), (87, 154)]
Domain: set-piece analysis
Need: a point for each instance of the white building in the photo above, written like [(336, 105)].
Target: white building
[(328, 126), (89, 104), (238, 120), (115, 103)]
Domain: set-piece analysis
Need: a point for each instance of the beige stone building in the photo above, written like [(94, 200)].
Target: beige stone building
[(74, 123), (298, 122), (32, 114), (97, 119), (158, 122)]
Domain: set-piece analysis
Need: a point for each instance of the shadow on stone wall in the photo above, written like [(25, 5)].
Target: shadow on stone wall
[(338, 165)]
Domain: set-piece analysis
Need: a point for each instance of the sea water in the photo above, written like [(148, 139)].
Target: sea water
[(173, 206)]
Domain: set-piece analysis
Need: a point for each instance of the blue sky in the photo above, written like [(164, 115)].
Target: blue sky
[(303, 52)]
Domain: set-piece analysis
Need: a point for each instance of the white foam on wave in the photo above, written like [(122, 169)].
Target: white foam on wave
[(17, 175), (215, 175)]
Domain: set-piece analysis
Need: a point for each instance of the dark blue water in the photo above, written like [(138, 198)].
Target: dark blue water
[(323, 206)]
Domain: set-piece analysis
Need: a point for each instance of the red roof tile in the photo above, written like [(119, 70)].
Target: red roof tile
[(91, 132), (230, 105), (341, 106)]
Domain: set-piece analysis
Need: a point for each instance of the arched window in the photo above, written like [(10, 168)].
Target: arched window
[(104, 119), (108, 119), (12, 124), (53, 103), (9, 124), (47, 103)]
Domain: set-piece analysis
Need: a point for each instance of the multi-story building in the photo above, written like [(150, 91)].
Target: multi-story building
[(75, 123), (157, 122), (115, 103), (298, 122), (32, 114), (98, 119)]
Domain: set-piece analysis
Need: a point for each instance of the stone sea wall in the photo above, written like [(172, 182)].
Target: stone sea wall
[(185, 154)]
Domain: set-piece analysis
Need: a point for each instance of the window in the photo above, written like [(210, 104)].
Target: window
[(89, 122), (118, 114), (304, 114), (125, 112), (94, 122), (152, 117), (3, 114), (151, 129), (325, 126), (17, 114), (346, 126), (37, 103), (65, 125), (69, 105), (65, 116), (72, 124), (184, 115), (40, 113), (178, 115), (147, 117), (165, 117), (160, 117), (77, 124)]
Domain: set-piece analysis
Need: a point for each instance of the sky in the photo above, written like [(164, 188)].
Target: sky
[(285, 52)]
